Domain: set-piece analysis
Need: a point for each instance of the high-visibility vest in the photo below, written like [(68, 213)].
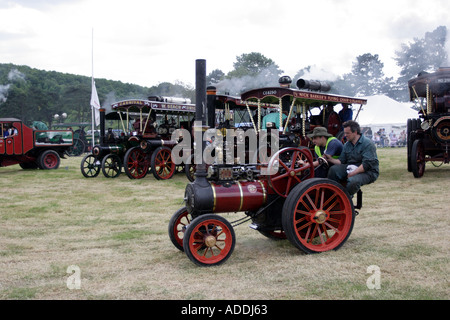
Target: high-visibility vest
[(317, 148)]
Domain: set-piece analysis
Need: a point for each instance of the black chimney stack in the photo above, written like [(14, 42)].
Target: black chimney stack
[(102, 126), (200, 188), (200, 117)]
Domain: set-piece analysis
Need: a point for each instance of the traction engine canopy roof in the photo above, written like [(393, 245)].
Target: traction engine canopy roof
[(438, 83)]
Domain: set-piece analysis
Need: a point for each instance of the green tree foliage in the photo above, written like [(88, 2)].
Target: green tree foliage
[(253, 64), (366, 78), (215, 76), (251, 70), (167, 89), (31, 94)]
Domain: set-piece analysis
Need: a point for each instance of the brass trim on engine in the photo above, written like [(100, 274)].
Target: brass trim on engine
[(242, 196), (264, 191), (214, 197)]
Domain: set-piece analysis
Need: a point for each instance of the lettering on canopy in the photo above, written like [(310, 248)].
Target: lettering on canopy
[(154, 105), (327, 97)]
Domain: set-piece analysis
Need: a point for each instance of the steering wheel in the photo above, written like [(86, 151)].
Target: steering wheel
[(288, 167)]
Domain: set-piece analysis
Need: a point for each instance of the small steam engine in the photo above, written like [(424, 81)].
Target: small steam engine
[(428, 137), (281, 197)]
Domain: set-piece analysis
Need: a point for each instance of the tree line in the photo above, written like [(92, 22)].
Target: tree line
[(31, 94)]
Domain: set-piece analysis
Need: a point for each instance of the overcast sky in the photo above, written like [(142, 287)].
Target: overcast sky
[(149, 42)]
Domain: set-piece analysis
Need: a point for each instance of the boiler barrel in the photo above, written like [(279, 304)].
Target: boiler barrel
[(239, 196), (103, 150)]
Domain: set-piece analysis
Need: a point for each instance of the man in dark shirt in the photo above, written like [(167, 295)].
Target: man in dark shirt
[(358, 163)]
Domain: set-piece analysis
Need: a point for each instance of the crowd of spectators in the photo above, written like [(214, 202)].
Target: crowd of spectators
[(384, 140)]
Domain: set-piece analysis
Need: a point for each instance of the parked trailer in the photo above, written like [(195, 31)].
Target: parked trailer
[(31, 148)]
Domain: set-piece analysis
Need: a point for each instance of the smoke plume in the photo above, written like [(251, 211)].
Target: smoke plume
[(235, 86), (13, 76)]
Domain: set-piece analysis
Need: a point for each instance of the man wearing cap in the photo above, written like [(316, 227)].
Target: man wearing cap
[(325, 144), (358, 163)]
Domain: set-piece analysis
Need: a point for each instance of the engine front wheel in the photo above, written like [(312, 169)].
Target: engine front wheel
[(177, 227), (90, 166), (111, 166), (209, 240)]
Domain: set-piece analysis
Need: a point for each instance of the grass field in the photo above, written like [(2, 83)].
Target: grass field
[(57, 225)]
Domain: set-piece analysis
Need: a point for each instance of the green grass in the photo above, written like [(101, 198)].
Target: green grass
[(115, 231)]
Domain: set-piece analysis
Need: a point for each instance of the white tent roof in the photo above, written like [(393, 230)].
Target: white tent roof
[(381, 110)]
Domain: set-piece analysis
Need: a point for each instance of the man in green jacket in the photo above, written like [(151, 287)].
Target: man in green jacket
[(358, 163)]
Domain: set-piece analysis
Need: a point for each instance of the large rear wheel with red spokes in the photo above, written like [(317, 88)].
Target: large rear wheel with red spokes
[(136, 163), (209, 240), (163, 166), (318, 216)]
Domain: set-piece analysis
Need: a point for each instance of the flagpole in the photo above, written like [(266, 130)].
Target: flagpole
[(92, 108)]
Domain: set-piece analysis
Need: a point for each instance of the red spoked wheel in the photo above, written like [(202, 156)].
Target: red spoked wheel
[(49, 160), (177, 227), (418, 159), (288, 167), (136, 163), (163, 166), (209, 240), (318, 216)]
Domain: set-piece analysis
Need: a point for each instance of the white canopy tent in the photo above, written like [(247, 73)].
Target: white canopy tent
[(385, 115), (382, 110)]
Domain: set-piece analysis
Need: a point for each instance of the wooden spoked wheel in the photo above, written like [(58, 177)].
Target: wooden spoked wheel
[(418, 159), (209, 240), (177, 227), (288, 167), (136, 163), (90, 166), (163, 166), (111, 166), (318, 216)]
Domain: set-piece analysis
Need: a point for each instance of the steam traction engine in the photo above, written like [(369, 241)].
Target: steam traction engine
[(428, 137), (156, 119), (316, 215), (143, 145), (107, 155)]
